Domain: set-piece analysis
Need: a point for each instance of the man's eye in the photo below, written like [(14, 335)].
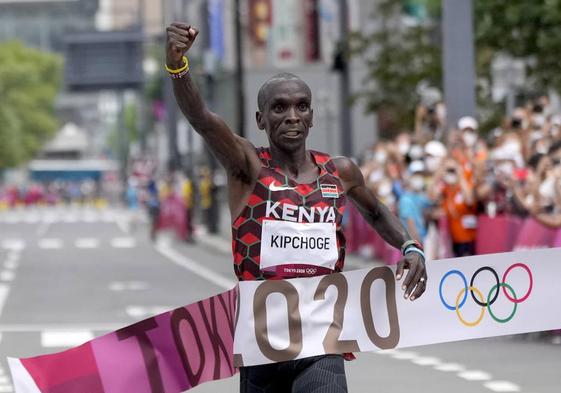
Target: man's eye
[(278, 108), (303, 107)]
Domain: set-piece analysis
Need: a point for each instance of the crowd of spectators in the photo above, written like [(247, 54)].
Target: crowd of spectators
[(49, 193), (460, 173)]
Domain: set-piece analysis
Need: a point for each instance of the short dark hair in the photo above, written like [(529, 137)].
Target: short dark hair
[(280, 77)]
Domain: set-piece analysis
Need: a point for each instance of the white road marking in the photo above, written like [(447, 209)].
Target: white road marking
[(402, 355), (50, 244), (90, 217), (386, 352), (31, 218), (13, 244), (141, 312), (7, 275), (70, 218), (6, 389), (62, 339), (11, 264), (108, 216), (427, 361), (123, 242), (87, 243), (31, 328), (194, 267), (502, 386), (12, 219), (450, 367), (475, 375), (4, 380), (4, 289), (118, 286)]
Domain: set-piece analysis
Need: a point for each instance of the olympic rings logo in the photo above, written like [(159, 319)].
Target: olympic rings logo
[(491, 296), (311, 270)]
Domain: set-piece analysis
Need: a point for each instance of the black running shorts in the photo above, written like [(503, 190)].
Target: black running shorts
[(318, 374)]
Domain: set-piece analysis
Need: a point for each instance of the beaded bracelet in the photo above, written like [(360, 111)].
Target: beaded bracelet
[(180, 75), (173, 71)]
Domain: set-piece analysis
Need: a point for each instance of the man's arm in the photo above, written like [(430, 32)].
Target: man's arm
[(385, 223), (231, 150)]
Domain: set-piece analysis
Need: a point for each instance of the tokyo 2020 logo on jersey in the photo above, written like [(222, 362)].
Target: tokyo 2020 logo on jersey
[(492, 296)]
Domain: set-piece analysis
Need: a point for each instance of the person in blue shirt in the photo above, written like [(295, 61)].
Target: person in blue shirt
[(414, 202)]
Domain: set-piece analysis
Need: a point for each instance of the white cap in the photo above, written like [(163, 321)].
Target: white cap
[(468, 122), (436, 149), (416, 166)]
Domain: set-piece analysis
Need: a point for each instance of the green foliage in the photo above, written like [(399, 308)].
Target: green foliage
[(398, 59), (525, 29), (29, 83)]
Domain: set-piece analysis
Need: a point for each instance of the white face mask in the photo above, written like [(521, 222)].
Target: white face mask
[(450, 178), (417, 183), (432, 163), (380, 156), (416, 152), (376, 176), (505, 168), (469, 138), (511, 147), (547, 188), (384, 189), (403, 148)]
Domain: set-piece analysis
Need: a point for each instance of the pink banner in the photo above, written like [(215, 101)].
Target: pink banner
[(173, 216), (534, 235), (169, 353), (497, 234), (494, 235)]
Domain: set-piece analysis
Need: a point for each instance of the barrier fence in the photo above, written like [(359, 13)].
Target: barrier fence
[(498, 234)]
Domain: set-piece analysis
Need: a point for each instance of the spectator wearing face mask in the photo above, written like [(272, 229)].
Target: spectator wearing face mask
[(457, 199), (414, 202)]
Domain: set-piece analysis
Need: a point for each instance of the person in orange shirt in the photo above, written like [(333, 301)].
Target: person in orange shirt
[(457, 198)]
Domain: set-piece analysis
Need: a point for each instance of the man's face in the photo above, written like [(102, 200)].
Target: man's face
[(287, 114)]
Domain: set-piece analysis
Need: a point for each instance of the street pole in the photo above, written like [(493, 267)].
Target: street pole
[(240, 98), (458, 59), (346, 119)]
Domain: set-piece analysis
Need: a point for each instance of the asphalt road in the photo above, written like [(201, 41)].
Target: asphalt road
[(68, 275)]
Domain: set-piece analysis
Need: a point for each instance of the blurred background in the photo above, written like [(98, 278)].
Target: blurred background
[(107, 195)]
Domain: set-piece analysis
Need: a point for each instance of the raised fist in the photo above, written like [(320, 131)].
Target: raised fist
[(180, 37)]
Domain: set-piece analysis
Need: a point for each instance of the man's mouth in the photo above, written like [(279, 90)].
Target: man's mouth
[(292, 133)]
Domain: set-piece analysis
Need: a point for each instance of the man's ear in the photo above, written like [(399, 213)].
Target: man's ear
[(259, 119), (311, 117)]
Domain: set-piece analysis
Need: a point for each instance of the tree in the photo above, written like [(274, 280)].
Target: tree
[(523, 29), (29, 83), (400, 57)]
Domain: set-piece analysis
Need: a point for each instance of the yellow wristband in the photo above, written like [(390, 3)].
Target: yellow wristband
[(179, 70)]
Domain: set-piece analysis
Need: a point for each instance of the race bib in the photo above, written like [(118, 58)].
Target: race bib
[(292, 243)]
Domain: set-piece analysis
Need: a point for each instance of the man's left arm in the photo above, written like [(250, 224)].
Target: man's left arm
[(386, 224)]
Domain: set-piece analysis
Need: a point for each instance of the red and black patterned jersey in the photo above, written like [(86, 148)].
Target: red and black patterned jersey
[(278, 197)]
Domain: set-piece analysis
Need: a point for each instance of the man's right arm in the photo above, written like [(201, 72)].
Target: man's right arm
[(230, 149)]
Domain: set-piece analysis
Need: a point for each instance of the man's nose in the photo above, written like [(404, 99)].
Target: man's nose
[(292, 116)]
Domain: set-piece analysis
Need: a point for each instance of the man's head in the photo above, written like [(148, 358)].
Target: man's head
[(284, 111)]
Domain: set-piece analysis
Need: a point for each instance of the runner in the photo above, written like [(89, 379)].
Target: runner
[(286, 205)]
